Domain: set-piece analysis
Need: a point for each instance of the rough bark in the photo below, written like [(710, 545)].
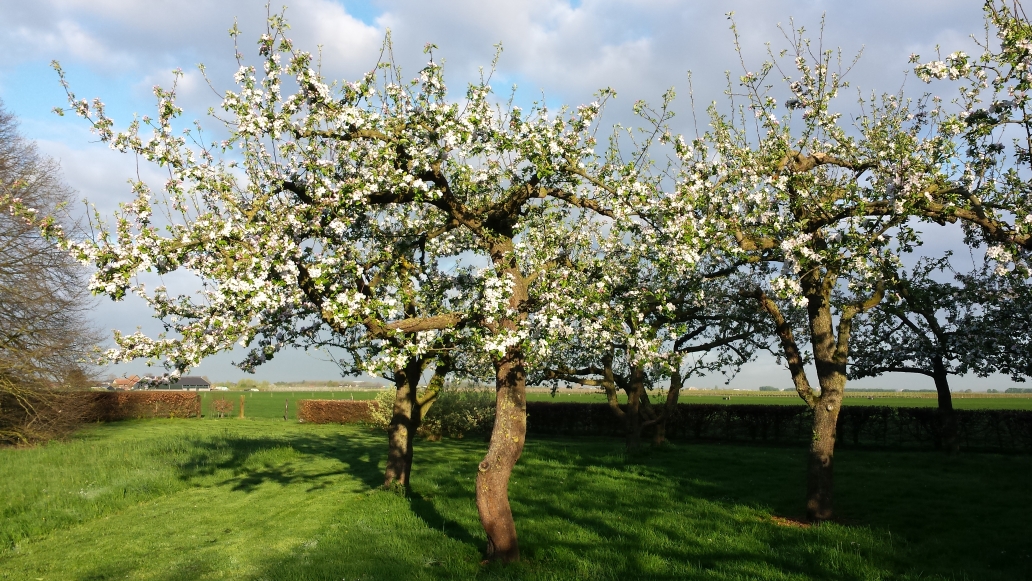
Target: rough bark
[(947, 418), (507, 439), (404, 422)]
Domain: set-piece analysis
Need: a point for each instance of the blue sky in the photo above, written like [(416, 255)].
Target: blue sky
[(118, 49)]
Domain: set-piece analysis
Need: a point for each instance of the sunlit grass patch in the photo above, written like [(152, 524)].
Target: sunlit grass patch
[(267, 499)]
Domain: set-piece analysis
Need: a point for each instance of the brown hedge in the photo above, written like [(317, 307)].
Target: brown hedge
[(333, 411), (45, 414), (108, 406)]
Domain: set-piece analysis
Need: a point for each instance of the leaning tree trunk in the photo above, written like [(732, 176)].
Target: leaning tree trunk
[(947, 417), (404, 422), (507, 438)]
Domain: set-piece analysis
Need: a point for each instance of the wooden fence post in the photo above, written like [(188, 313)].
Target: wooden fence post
[(286, 407), (241, 407)]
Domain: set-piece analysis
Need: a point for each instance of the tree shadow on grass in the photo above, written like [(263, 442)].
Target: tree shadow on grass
[(657, 520), (424, 508), (188, 571), (583, 510), (249, 462)]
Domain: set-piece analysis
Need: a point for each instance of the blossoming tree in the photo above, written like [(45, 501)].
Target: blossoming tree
[(639, 303), (937, 328), (341, 215), (818, 213)]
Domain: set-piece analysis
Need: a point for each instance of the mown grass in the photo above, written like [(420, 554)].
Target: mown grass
[(266, 499)]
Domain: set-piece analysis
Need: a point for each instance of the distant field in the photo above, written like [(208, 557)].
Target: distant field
[(266, 404), (269, 404)]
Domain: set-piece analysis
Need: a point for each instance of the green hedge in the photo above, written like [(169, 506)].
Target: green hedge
[(896, 427)]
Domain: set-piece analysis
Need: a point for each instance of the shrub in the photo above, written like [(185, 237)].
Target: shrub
[(114, 406), (382, 409), (459, 412), (221, 407)]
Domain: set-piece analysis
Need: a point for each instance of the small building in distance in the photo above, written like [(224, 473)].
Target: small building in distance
[(125, 383), (191, 382)]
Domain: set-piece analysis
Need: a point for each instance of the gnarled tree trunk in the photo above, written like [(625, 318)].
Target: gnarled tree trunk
[(404, 422), (829, 354), (408, 414), (507, 439)]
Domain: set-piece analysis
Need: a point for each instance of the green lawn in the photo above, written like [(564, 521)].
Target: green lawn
[(265, 499)]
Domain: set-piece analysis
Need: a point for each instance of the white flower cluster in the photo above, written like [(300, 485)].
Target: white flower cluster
[(789, 288), (955, 66)]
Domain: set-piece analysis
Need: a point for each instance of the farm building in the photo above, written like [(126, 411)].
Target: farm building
[(189, 382), (126, 383)]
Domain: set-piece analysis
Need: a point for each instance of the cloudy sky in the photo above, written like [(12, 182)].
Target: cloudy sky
[(118, 50)]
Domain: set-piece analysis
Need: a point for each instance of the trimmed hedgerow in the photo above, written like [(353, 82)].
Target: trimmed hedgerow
[(858, 426), (113, 406), (330, 411), (894, 427)]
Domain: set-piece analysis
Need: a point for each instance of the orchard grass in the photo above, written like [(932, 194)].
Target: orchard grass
[(266, 499)]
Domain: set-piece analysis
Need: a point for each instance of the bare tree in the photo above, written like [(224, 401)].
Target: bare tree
[(45, 335)]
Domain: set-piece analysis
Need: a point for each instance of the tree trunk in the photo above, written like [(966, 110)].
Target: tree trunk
[(830, 355), (609, 385), (404, 422), (820, 467), (507, 438), (676, 382), (947, 418), (636, 386)]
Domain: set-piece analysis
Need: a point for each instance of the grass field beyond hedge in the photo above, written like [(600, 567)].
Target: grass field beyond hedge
[(264, 499), (270, 404)]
